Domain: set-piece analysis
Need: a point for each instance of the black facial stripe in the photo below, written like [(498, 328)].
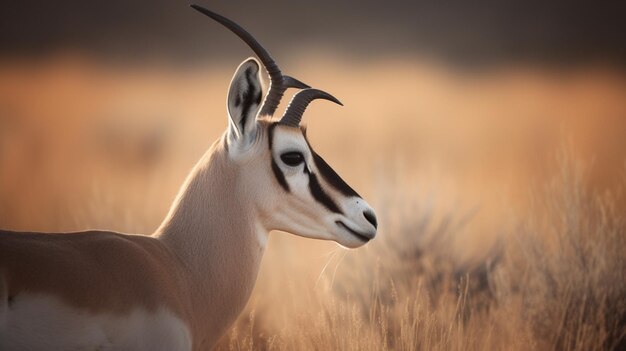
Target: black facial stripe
[(270, 134), (319, 194), (280, 177), (278, 173), (328, 173), (315, 187), (332, 177), (250, 97)]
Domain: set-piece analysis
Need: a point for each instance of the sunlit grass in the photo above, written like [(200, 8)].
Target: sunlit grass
[(490, 237), (555, 282)]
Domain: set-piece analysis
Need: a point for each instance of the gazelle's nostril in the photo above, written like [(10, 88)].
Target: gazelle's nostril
[(371, 217)]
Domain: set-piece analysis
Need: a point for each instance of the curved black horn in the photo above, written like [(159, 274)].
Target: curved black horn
[(299, 103), (278, 82)]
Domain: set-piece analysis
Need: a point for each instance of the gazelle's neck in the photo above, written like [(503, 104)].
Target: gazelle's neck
[(214, 232)]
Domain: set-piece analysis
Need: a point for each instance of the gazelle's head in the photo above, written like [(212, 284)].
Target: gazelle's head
[(293, 189)]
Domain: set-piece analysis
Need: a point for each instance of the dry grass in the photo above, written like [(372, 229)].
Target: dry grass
[(490, 238), (558, 282)]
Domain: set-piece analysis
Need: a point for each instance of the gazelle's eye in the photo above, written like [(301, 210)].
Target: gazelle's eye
[(293, 158)]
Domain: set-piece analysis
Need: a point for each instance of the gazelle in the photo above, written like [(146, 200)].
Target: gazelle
[(183, 286)]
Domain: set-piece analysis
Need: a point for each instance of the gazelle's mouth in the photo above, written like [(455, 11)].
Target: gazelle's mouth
[(360, 236)]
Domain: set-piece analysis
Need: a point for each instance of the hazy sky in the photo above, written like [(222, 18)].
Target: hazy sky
[(527, 30)]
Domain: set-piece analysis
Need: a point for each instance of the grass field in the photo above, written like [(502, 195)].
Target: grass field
[(499, 193)]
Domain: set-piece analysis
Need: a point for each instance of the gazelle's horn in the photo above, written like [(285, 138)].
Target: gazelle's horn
[(278, 82), (299, 103)]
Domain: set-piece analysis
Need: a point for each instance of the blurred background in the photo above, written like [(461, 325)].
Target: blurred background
[(488, 136)]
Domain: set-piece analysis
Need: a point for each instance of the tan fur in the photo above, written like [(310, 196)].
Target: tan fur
[(212, 228), (96, 270), (202, 262)]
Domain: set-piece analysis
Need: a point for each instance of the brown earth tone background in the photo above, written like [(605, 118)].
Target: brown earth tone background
[(491, 140)]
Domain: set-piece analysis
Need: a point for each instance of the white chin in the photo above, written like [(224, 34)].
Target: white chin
[(350, 243)]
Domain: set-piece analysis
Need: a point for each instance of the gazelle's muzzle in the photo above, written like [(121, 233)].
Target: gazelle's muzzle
[(358, 225)]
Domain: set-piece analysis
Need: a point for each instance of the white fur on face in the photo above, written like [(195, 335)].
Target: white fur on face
[(300, 213)]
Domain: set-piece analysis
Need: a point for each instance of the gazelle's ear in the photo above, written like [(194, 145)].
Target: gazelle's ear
[(244, 99)]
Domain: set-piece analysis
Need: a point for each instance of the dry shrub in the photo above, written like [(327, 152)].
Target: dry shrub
[(555, 281), (569, 265)]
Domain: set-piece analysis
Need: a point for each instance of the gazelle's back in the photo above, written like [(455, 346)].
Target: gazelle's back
[(94, 289)]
